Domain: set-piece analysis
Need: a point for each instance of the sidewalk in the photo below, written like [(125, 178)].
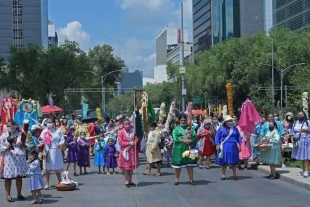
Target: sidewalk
[(287, 174)]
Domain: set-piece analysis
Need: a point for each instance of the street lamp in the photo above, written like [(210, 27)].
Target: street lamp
[(282, 74), (102, 78), (182, 60)]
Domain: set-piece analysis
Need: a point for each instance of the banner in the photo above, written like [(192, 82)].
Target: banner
[(84, 109)]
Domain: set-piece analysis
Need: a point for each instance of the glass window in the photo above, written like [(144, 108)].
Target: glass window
[(202, 28), (202, 19), (199, 5), (202, 11), (229, 19)]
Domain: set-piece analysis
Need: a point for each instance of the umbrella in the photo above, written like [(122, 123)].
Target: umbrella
[(249, 117), (198, 112), (80, 112), (51, 109), (92, 116)]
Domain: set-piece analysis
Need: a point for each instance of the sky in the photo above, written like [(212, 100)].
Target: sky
[(129, 26)]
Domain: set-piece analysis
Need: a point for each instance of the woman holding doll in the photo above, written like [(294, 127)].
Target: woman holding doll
[(184, 139)]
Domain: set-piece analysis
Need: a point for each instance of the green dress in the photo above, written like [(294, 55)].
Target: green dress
[(179, 147)]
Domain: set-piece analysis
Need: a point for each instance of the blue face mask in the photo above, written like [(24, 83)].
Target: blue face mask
[(276, 118)]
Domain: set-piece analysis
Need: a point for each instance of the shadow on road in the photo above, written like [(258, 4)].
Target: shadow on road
[(240, 177), (142, 184)]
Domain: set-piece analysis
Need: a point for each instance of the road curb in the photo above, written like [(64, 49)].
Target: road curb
[(284, 177)]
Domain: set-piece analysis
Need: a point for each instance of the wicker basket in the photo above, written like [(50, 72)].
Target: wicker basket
[(65, 187), (263, 148)]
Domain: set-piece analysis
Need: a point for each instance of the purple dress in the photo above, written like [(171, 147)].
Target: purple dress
[(168, 147), (72, 155), (111, 159), (83, 153)]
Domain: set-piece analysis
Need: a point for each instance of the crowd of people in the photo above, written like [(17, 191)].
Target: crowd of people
[(115, 145)]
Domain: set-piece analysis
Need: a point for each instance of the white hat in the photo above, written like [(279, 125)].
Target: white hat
[(228, 118)]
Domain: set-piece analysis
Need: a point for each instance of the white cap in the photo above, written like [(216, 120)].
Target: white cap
[(228, 118), (33, 127)]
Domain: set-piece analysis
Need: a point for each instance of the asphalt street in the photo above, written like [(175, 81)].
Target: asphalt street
[(251, 190)]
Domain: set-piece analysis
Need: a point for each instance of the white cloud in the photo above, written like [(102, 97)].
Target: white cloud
[(74, 32), (136, 55)]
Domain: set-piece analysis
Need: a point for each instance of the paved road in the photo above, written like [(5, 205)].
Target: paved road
[(107, 190)]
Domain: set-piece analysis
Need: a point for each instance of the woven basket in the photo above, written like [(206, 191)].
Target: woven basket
[(263, 148), (64, 187)]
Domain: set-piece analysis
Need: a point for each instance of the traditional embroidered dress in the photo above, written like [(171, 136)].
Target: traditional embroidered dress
[(83, 146), (302, 151), (15, 164), (179, 147), (153, 140), (229, 142), (72, 155), (273, 156), (53, 156), (206, 143), (111, 157), (35, 181), (124, 139), (100, 149)]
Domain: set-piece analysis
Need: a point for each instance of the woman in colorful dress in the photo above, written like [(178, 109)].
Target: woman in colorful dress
[(300, 137), (128, 158), (15, 165), (181, 143), (272, 157), (83, 145), (53, 139), (168, 146), (153, 152), (228, 145), (206, 136)]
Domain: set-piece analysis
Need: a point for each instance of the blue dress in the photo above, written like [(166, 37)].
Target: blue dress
[(230, 148), (35, 181), (100, 153)]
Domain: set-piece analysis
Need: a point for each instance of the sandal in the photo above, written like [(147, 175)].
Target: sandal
[(192, 183), (127, 185), (22, 198), (200, 167), (132, 184), (75, 174), (158, 175), (41, 200), (176, 183), (235, 178), (46, 187), (146, 173), (10, 200), (223, 178)]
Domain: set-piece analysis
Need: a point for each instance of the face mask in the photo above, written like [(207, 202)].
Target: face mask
[(195, 121), (271, 128), (301, 118), (289, 118), (127, 127), (49, 125), (276, 118), (159, 125), (230, 124), (11, 129), (82, 136), (182, 125)]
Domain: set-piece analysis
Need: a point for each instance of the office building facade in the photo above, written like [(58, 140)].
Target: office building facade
[(175, 53), (23, 22), (166, 40), (293, 14), (130, 80), (215, 21), (52, 35)]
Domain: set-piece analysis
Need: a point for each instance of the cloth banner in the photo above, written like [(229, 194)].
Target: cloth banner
[(84, 109)]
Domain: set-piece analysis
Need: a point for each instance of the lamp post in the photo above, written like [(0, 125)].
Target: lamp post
[(102, 79), (182, 60), (282, 74)]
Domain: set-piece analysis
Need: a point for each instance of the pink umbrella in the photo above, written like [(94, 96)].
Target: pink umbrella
[(249, 117)]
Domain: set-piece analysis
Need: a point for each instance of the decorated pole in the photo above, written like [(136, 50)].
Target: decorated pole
[(305, 103), (144, 102), (230, 99)]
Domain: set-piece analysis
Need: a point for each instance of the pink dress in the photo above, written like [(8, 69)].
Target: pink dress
[(133, 161), (246, 151)]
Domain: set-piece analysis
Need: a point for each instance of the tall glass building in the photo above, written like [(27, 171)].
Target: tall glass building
[(215, 21), (293, 14), (23, 22)]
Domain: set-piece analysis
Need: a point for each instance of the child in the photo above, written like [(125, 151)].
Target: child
[(100, 148), (111, 156), (168, 147), (83, 145), (72, 156), (35, 181)]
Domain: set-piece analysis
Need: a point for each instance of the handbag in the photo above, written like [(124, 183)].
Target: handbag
[(298, 140), (1, 163)]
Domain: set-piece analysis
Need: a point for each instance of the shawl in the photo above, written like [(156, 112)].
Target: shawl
[(201, 130)]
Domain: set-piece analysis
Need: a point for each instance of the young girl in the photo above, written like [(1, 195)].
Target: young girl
[(72, 156), (35, 181), (83, 145), (168, 147), (100, 148), (111, 156)]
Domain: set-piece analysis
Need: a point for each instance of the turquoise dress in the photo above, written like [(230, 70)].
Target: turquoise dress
[(100, 155), (272, 156)]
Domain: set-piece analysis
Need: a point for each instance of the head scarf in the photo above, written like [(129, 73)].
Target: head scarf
[(201, 129)]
